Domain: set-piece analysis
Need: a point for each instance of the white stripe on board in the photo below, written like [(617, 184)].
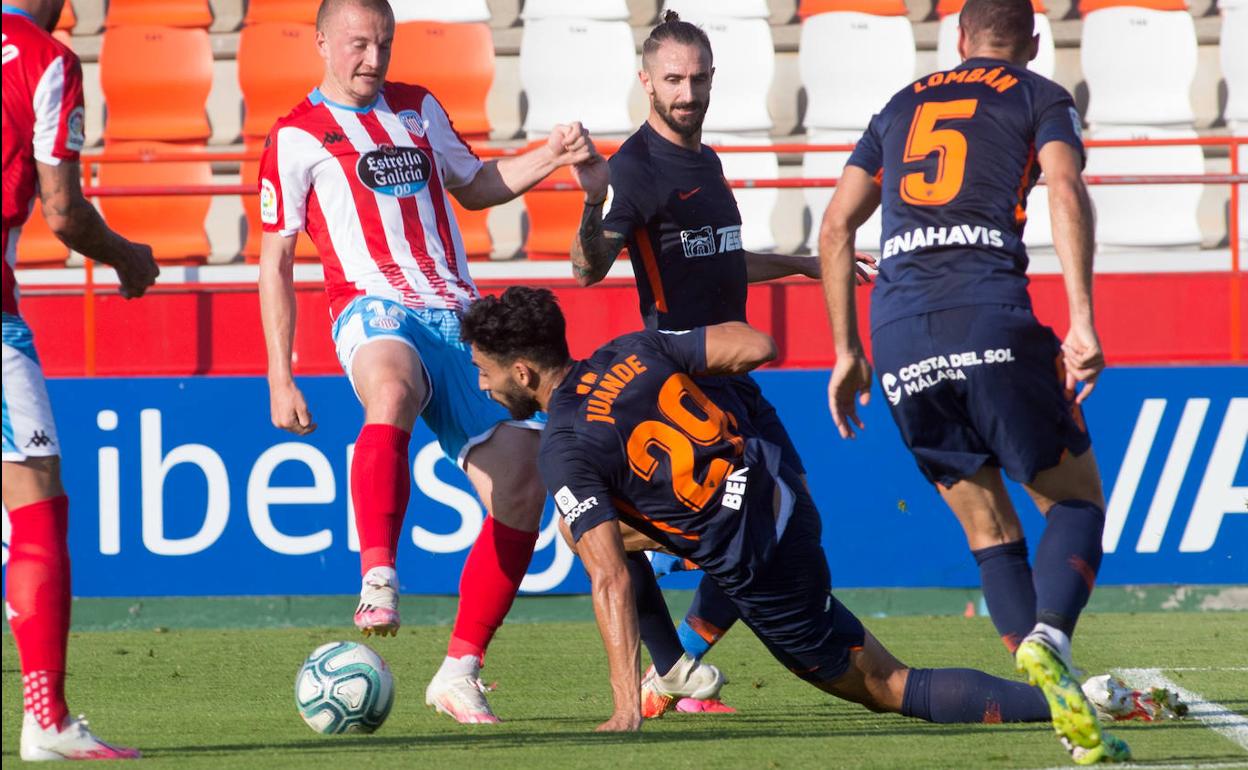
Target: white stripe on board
[(1215, 716)]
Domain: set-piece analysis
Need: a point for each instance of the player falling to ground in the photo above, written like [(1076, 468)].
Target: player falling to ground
[(974, 382), (364, 166), (633, 438), (675, 213), (43, 133)]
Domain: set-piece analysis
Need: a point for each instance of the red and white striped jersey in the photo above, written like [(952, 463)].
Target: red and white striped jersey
[(369, 185), (43, 121)]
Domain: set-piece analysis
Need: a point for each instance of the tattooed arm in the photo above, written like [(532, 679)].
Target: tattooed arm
[(593, 249), (79, 226)]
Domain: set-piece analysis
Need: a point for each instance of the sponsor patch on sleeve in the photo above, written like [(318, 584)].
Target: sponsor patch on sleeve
[(75, 130), (268, 202)]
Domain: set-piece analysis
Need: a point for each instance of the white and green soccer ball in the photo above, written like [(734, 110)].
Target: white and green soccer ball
[(344, 687)]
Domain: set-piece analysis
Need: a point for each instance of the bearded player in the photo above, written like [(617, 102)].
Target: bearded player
[(365, 166)]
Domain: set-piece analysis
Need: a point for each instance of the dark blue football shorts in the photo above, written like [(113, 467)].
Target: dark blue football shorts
[(790, 607), (977, 385)]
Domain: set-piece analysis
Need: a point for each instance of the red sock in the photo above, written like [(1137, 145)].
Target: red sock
[(380, 486), (37, 600), (496, 565)]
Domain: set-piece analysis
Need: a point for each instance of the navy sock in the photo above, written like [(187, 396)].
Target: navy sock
[(653, 618), (1067, 560), (710, 615), (953, 695), (1005, 577)]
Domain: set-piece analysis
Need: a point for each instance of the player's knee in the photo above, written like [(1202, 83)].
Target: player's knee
[(395, 402), (519, 501)]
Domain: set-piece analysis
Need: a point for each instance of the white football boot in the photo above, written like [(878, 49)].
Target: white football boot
[(71, 741), (688, 679), (1115, 699), (378, 612), (458, 692)]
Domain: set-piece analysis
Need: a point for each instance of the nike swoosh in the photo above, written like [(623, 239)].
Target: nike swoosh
[(684, 196)]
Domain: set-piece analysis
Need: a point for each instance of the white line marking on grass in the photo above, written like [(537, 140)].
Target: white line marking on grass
[(1215, 716), (1148, 766)]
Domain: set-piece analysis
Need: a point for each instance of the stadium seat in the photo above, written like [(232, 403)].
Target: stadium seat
[(554, 215), (474, 229), (168, 13), (1232, 45), (1146, 215), (822, 165), (277, 67), (455, 62), (808, 8), (38, 247), (690, 10), (743, 72), (756, 206), (439, 10), (294, 11), (1088, 6), (603, 10), (947, 38), (249, 175), (573, 69), (156, 82), (851, 63), (65, 24), (1039, 229), (1139, 65), (173, 224)]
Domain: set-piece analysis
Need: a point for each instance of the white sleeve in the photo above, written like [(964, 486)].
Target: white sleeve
[(286, 180), (459, 164)]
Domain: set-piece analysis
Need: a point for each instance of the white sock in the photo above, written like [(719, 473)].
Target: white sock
[(383, 575), (469, 665), (1058, 637)]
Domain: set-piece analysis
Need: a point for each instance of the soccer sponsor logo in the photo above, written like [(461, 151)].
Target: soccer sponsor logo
[(39, 439), (268, 202), (1076, 123), (398, 171), (707, 241), (75, 130), (891, 388), (11, 51), (931, 237), (412, 122), (570, 507), (734, 489), (919, 376), (333, 137)]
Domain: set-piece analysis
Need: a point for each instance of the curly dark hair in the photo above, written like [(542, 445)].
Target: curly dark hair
[(522, 323), (672, 28)]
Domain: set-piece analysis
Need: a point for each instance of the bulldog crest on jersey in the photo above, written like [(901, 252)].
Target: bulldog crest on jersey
[(398, 171)]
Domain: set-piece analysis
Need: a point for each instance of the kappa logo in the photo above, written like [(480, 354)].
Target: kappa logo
[(413, 123), (570, 507), (332, 137), (39, 439)]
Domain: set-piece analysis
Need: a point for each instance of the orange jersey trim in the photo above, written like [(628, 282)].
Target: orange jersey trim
[(628, 508), (652, 268)]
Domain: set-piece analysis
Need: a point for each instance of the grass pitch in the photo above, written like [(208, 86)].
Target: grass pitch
[(224, 698)]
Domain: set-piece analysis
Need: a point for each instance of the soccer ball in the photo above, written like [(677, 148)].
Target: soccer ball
[(344, 687)]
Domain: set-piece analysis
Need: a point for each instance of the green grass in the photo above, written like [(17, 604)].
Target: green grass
[(223, 698)]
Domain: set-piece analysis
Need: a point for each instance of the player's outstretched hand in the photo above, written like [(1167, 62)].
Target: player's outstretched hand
[(621, 723), (863, 261), (851, 377), (136, 270), (570, 144), (1084, 360), (288, 409)]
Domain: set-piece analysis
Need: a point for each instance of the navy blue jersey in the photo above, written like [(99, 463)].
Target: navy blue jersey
[(955, 154), (683, 230), (631, 436)]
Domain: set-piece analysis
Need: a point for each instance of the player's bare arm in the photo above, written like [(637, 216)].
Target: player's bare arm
[(501, 180), (277, 312), (737, 348), (857, 196), (602, 551), (1074, 242), (593, 249), (761, 267), (79, 226)]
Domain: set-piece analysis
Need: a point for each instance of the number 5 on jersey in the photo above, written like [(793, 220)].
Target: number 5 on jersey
[(949, 145)]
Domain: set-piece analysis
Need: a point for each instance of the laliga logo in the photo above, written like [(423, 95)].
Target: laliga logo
[(891, 388)]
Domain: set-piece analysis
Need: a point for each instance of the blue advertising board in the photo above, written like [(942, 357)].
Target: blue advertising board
[(183, 487)]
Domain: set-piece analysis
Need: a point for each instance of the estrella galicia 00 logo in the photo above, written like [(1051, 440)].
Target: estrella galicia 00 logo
[(397, 171)]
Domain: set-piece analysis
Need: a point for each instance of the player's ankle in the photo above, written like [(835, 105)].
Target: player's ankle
[(467, 665)]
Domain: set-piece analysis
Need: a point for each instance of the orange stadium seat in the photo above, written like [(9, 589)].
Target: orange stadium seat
[(475, 231), (807, 8), (554, 215), (37, 246), (297, 11), (173, 224), (65, 24), (455, 62), (156, 82), (304, 250), (170, 13), (1088, 6), (946, 7), (277, 66)]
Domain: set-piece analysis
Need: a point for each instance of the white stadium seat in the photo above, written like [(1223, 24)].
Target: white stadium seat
[(820, 165), (440, 10), (1146, 215), (756, 205), (604, 10), (740, 9), (1039, 229), (576, 69), (1139, 65), (1234, 52), (745, 61), (851, 64), (947, 46)]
